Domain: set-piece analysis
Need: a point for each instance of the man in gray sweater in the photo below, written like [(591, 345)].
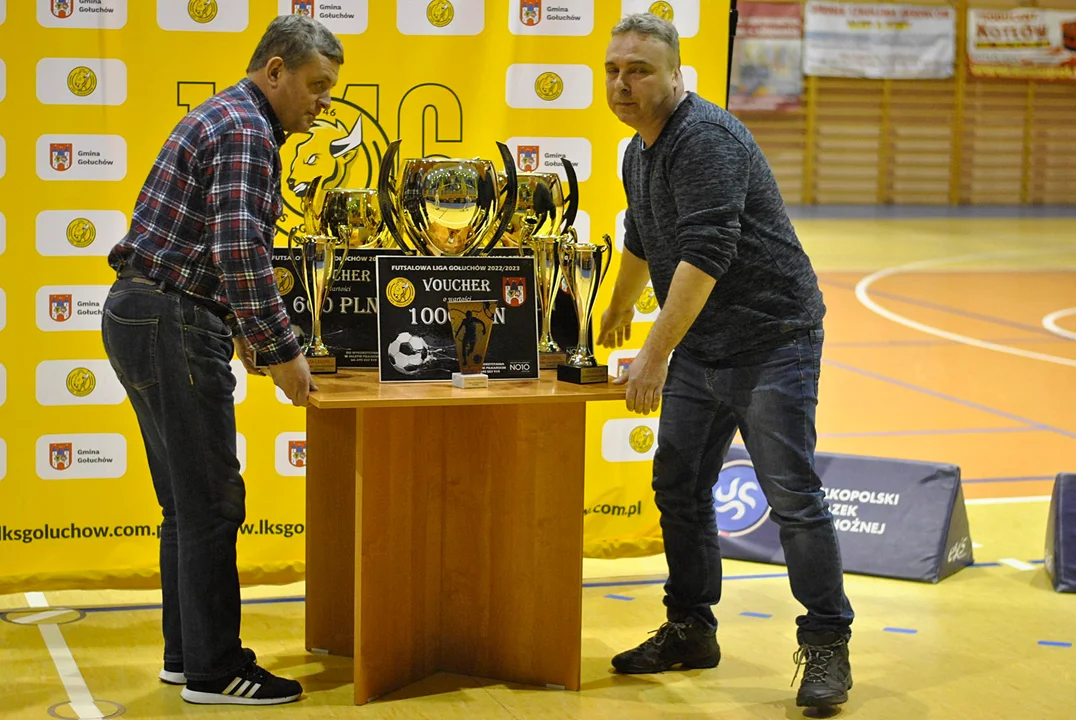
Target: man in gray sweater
[(741, 316)]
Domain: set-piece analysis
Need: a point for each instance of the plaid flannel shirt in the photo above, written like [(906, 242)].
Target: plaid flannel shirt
[(206, 217)]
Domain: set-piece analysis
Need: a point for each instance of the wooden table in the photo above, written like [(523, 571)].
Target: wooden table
[(444, 528)]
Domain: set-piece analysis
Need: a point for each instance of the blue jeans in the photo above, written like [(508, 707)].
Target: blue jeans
[(172, 356), (770, 395)]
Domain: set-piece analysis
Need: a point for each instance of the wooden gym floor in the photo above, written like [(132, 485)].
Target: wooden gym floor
[(949, 338)]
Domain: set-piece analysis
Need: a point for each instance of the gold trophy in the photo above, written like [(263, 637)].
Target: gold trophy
[(315, 260), (541, 196), (353, 215), (446, 206), (547, 250), (584, 265), (472, 322)]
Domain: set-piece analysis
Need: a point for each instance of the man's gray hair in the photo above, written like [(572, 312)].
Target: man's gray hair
[(651, 26), (296, 39)]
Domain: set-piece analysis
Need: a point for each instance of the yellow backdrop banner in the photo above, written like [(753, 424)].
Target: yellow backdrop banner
[(89, 90)]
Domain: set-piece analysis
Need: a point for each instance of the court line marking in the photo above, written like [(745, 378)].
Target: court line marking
[(1007, 500), (950, 398), (39, 617), (71, 677), (863, 295), (1036, 330), (1050, 323), (1014, 563)]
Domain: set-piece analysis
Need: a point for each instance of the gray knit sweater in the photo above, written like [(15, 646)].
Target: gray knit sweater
[(704, 194)]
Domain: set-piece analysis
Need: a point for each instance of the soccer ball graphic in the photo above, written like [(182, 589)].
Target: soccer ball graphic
[(408, 352)]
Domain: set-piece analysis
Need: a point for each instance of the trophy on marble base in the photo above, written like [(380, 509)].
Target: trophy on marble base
[(584, 266), (472, 322)]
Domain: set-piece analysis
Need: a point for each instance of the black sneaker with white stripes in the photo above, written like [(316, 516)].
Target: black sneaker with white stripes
[(172, 673), (250, 685)]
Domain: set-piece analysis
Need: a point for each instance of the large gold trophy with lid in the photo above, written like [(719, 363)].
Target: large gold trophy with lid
[(446, 206)]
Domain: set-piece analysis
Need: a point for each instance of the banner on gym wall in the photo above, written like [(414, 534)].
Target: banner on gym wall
[(894, 42), (1022, 43), (90, 90)]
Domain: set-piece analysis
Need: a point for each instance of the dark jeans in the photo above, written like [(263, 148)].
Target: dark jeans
[(172, 356), (770, 395)]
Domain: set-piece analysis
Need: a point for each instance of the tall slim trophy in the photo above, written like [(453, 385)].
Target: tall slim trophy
[(584, 266), (472, 322), (548, 251), (315, 260)]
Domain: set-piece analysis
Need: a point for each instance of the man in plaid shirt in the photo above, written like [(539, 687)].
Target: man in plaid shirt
[(194, 285)]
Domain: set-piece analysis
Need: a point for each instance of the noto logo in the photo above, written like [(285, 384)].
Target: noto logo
[(440, 13), (82, 81), (400, 292), (81, 382), (202, 11), (285, 281), (641, 439), (663, 10), (549, 86), (344, 147), (738, 500), (81, 232), (647, 302)]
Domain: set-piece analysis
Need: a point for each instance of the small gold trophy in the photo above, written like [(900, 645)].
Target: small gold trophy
[(584, 266), (547, 250), (472, 322)]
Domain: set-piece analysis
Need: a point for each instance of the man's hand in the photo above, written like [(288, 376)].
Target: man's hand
[(246, 353), (294, 379), (616, 326), (646, 379)]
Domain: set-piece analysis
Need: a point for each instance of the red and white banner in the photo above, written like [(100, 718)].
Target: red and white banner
[(1026, 44), (767, 61)]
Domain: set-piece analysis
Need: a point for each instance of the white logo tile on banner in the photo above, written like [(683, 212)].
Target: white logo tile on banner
[(3, 79), (544, 86), (77, 382), (567, 17), (691, 78), (241, 451), (582, 226), (3, 309), (240, 373), (684, 14), (621, 148), (440, 17), (81, 81), (3, 233), (3, 449), (281, 397), (3, 384), (629, 439), (70, 307), (78, 232), (203, 15), (342, 17), (81, 157), (79, 456), (3, 156), (99, 14), (3, 11), (543, 154), (291, 454)]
